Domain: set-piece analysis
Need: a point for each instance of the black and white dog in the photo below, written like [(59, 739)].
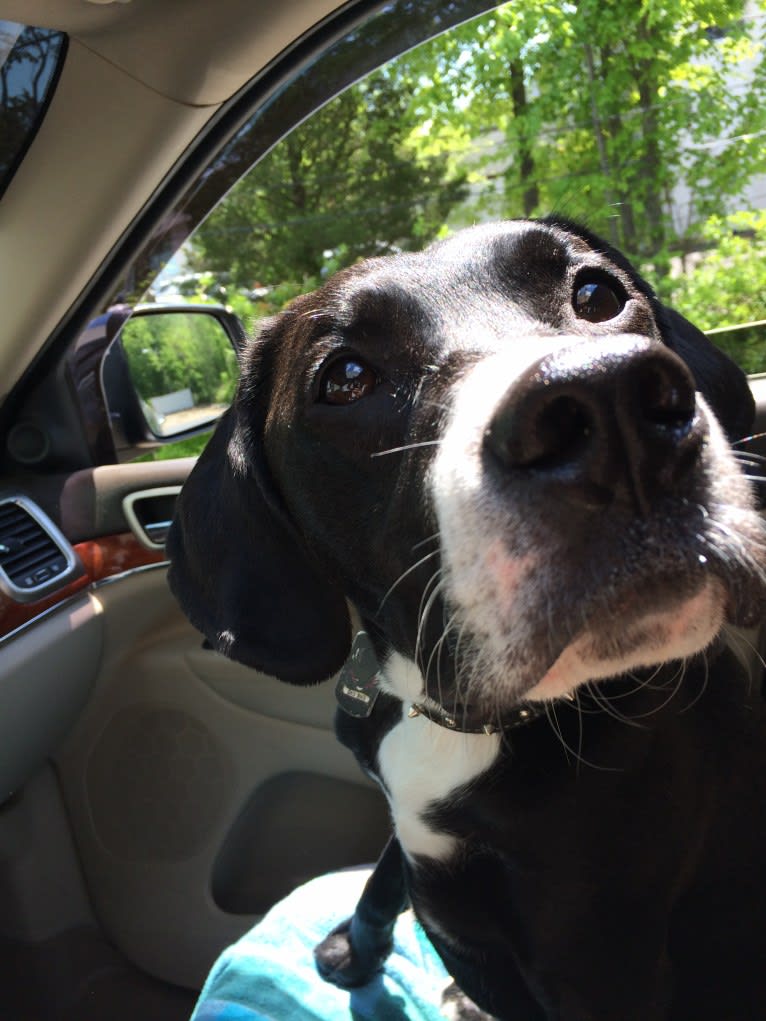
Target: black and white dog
[(513, 463)]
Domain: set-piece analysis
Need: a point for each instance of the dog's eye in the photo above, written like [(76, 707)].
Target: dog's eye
[(597, 302), (345, 381)]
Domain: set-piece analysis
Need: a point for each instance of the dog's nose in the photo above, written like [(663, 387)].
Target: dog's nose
[(605, 423)]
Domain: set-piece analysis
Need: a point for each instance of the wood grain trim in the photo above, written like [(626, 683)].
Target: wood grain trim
[(104, 557)]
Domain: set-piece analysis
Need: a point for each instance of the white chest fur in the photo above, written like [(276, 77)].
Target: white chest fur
[(421, 763)]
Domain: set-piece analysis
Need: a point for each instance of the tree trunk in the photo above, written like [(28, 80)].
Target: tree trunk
[(603, 155), (646, 83), (529, 189)]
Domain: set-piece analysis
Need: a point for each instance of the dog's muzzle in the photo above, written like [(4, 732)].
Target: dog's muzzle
[(598, 426)]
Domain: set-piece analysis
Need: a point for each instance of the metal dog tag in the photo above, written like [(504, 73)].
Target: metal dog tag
[(357, 687)]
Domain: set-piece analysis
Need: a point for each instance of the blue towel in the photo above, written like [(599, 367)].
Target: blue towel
[(269, 974)]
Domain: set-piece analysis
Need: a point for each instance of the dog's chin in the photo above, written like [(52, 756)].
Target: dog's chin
[(622, 645), (633, 635)]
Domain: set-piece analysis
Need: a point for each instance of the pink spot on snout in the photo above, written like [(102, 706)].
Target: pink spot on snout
[(506, 573)]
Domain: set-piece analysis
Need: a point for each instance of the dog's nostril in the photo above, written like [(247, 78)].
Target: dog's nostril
[(559, 435), (665, 401), (545, 429)]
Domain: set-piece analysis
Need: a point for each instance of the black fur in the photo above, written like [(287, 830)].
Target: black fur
[(608, 869)]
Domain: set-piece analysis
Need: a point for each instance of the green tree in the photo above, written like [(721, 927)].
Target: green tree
[(600, 110), (347, 183), (726, 286)]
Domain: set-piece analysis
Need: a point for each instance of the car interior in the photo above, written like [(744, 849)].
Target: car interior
[(157, 798)]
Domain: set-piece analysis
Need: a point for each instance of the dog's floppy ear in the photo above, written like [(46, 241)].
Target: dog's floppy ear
[(243, 577), (723, 383)]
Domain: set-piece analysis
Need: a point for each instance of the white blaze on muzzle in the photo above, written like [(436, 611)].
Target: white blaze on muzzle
[(497, 570)]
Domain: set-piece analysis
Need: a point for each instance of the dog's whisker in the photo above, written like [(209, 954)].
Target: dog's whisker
[(675, 685), (640, 684), (463, 683), (424, 542), (435, 658), (464, 656), (434, 580), (553, 720), (703, 687), (737, 638), (749, 439), (730, 547), (749, 457), (604, 702), (580, 730), (654, 674), (423, 617), (548, 706), (406, 447), (436, 654), (747, 453), (731, 550), (405, 574), (681, 677)]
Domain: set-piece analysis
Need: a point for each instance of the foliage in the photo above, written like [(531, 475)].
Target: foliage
[(726, 286), (174, 351), (346, 183), (603, 112), (642, 118)]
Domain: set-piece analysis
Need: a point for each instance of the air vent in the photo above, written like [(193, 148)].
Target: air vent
[(35, 558)]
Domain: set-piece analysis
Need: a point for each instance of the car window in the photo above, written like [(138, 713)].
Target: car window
[(30, 59), (646, 122)]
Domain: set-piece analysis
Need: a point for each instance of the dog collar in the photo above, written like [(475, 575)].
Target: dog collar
[(463, 723), (358, 687)]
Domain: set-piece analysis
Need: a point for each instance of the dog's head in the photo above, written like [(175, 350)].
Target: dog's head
[(503, 451)]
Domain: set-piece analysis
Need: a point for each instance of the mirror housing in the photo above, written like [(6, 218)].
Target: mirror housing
[(169, 373)]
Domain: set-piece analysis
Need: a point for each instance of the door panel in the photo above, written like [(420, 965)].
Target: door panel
[(185, 767), (45, 677)]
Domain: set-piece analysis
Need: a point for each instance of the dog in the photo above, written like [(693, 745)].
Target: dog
[(512, 463)]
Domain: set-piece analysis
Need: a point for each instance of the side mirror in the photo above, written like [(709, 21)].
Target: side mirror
[(169, 373)]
